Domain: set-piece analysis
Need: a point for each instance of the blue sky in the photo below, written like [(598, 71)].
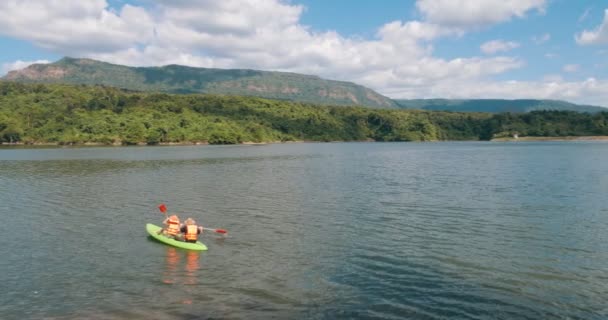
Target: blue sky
[(549, 49), (562, 20)]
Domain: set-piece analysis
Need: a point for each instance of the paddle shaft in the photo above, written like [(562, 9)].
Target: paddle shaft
[(216, 230)]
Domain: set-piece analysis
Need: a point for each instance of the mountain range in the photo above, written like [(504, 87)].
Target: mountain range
[(494, 105), (182, 79), (266, 84)]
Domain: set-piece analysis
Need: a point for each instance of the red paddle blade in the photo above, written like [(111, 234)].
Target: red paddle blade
[(162, 208), (220, 231)]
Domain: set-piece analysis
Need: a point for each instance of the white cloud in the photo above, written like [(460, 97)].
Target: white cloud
[(590, 91), (571, 68), (75, 26), (541, 39), (597, 36), (550, 55), (476, 13), (230, 16), (16, 65), (585, 15), (553, 78), (262, 34), (495, 46)]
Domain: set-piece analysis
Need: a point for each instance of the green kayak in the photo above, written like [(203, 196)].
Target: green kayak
[(153, 232)]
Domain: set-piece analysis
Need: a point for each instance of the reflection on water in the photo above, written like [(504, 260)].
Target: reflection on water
[(171, 266), (181, 267), (192, 266)]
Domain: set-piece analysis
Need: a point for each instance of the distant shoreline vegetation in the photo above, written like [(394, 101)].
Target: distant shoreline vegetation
[(56, 114)]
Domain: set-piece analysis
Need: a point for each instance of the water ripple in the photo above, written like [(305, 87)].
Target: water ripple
[(316, 231)]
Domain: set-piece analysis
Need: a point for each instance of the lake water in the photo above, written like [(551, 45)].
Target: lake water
[(458, 230)]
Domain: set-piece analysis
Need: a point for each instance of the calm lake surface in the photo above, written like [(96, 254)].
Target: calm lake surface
[(458, 230)]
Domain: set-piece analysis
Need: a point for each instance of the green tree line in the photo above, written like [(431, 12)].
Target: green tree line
[(76, 114)]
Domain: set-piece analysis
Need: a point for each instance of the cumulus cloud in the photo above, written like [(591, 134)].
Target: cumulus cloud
[(230, 16), (75, 26), (590, 91), (476, 13), (263, 34), (597, 36), (495, 46), (541, 39), (571, 68), (16, 65), (553, 78)]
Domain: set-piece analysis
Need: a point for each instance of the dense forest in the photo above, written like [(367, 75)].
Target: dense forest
[(77, 114)]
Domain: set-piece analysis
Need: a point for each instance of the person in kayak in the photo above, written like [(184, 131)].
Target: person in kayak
[(190, 231), (172, 228)]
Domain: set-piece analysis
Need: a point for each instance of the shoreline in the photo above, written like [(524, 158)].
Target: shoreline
[(564, 138), (252, 143), (141, 144)]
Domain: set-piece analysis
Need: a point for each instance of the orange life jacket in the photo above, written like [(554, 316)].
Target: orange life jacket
[(191, 232), (173, 227)]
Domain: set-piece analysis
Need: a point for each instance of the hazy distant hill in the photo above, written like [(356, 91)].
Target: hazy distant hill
[(494, 105), (181, 79)]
